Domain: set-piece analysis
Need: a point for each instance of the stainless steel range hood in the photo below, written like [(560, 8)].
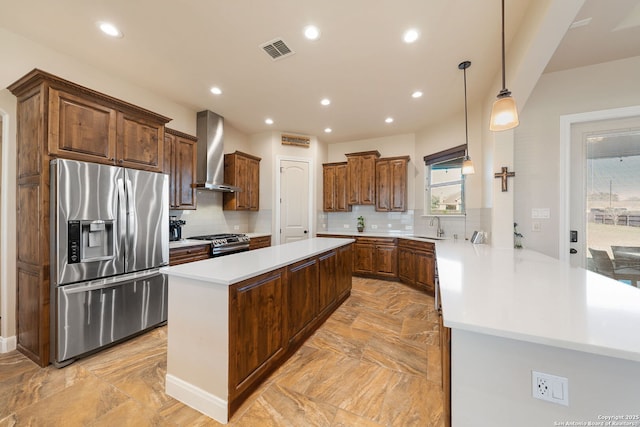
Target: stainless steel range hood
[(210, 166)]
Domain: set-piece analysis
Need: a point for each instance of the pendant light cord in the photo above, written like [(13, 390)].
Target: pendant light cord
[(504, 81), (466, 126)]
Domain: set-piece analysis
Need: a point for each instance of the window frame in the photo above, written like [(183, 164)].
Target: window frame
[(443, 157)]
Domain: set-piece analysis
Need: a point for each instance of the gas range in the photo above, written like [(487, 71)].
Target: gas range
[(225, 243)]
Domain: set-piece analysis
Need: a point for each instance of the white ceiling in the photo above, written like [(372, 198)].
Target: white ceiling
[(179, 49)]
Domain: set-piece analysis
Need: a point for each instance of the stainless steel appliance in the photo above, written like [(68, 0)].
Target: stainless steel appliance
[(226, 244), (175, 228), (109, 237)]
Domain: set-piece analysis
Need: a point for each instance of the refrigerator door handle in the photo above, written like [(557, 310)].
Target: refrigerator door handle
[(122, 212), (131, 212), (106, 283)]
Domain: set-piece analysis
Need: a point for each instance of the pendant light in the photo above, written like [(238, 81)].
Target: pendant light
[(504, 114), (467, 164)]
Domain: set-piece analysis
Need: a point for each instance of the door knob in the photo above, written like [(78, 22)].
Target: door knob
[(305, 231), (573, 251)]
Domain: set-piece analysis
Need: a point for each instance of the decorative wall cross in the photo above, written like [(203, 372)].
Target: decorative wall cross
[(504, 175)]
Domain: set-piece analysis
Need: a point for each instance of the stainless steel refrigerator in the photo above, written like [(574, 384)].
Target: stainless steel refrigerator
[(109, 236)]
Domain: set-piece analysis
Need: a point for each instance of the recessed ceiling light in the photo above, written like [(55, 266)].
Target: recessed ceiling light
[(216, 90), (110, 29), (410, 36), (311, 32), (325, 101), (416, 94), (388, 120), (269, 121), (328, 130)]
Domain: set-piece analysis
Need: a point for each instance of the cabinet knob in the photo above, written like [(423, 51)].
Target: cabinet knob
[(121, 161)]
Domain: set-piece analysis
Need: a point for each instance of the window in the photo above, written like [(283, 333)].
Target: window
[(445, 182)]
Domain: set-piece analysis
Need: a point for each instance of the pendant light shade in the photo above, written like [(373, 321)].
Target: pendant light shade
[(504, 114), (467, 164)]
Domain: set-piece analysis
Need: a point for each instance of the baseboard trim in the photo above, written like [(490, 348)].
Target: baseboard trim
[(200, 400), (8, 344)]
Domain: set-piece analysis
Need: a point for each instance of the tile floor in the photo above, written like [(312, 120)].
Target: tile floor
[(374, 362)]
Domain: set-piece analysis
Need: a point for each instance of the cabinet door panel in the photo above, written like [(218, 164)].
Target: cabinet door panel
[(302, 296), (328, 188), (328, 283), (425, 268), (140, 143), (387, 260), (185, 173), (256, 334), (383, 191), (345, 268), (81, 129), (398, 185), (363, 258), (406, 265)]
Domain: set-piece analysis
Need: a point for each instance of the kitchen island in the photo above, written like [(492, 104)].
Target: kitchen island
[(511, 312), (234, 319)]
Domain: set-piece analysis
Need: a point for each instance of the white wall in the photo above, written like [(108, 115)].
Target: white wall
[(537, 139), (491, 380)]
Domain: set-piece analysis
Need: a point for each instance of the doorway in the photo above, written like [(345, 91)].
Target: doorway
[(604, 193), (294, 207)]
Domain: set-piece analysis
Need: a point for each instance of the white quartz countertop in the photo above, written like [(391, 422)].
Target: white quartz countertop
[(525, 295), (235, 268)]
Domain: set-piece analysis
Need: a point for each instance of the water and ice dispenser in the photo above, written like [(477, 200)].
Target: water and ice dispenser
[(90, 240)]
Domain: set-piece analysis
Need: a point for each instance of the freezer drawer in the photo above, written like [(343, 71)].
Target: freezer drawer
[(94, 314)]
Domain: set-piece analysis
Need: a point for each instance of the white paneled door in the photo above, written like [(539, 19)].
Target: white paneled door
[(294, 200)]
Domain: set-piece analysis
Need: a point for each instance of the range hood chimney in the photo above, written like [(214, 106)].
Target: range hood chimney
[(210, 166)]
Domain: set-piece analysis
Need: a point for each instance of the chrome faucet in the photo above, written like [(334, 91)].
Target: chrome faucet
[(439, 231)]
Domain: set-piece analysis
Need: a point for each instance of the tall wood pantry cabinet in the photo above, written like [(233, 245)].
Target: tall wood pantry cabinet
[(180, 163), (58, 118), (242, 170)]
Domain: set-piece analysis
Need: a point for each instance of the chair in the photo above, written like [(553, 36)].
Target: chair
[(605, 266), (626, 256)]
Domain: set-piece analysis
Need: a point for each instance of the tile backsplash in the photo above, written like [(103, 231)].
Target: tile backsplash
[(409, 222)]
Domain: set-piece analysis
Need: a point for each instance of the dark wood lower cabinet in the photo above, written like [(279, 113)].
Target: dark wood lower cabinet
[(189, 254), (416, 264), (256, 329), (259, 242), (271, 315), (303, 293), (445, 349)]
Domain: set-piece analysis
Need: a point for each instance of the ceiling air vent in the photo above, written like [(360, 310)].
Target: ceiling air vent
[(277, 49)]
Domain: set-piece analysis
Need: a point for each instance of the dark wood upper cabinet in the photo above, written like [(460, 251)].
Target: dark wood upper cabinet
[(334, 187), (391, 184), (361, 177), (180, 151), (58, 118), (242, 170)]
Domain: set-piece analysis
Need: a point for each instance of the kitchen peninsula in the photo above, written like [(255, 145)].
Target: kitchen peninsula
[(233, 320), (512, 312)]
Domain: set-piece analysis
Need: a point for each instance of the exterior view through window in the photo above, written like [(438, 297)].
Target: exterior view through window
[(613, 203), (445, 188)]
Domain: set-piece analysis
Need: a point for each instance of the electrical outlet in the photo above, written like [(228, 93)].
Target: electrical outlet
[(374, 226), (345, 225), (542, 387), (536, 226), (550, 388), (236, 227)]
